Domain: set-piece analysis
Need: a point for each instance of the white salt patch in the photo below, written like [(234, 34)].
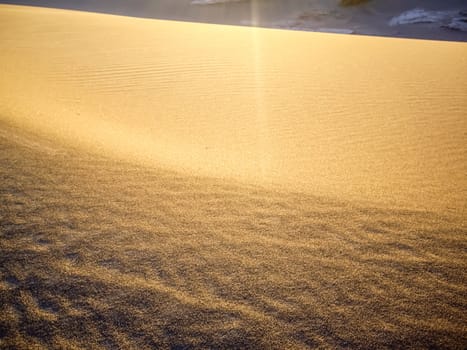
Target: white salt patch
[(458, 23), (419, 15)]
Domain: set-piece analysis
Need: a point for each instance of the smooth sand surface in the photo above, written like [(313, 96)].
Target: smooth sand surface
[(357, 117), (175, 185)]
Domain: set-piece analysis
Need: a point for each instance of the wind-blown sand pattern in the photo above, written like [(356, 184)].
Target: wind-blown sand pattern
[(177, 185), (367, 118)]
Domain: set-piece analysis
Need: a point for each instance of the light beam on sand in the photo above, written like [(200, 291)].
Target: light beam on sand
[(121, 252), (367, 118), (261, 118)]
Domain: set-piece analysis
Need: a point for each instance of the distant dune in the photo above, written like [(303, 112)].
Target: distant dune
[(176, 185)]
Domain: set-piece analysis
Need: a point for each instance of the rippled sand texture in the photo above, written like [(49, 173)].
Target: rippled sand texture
[(174, 185), (97, 253), (357, 117)]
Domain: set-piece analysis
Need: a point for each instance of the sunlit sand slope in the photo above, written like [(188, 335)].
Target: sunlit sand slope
[(96, 253), (356, 117)]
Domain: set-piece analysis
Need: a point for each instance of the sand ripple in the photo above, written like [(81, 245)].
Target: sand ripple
[(98, 253), (379, 120)]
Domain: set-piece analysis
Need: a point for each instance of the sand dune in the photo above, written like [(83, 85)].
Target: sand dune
[(365, 118), (174, 185), (98, 253)]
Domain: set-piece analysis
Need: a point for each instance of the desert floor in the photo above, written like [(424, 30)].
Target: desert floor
[(177, 185)]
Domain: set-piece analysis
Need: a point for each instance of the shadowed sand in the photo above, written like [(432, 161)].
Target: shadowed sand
[(180, 185), (97, 253)]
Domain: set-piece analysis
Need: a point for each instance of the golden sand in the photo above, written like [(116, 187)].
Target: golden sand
[(348, 155), (357, 117), (101, 254)]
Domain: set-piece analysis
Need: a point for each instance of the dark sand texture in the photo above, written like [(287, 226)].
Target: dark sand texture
[(96, 253)]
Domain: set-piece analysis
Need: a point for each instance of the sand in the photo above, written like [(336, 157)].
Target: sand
[(365, 118), (180, 185)]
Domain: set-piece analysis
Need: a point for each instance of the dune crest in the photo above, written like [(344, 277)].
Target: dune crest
[(365, 118)]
